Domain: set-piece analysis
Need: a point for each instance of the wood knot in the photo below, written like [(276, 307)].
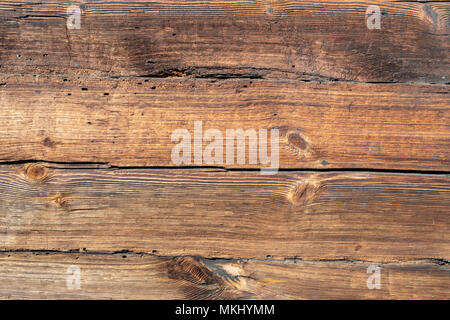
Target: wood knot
[(299, 145), (296, 141), (193, 270), (49, 143), (303, 193), (60, 201), (197, 281), (36, 173)]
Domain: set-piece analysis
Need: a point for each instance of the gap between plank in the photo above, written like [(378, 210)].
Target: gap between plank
[(189, 73), (105, 165), (270, 259)]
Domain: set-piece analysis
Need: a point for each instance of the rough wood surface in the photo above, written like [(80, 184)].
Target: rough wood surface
[(87, 179), (322, 125), (300, 39), (367, 216), (127, 275)]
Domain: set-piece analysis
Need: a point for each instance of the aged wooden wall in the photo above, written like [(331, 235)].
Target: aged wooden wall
[(87, 178)]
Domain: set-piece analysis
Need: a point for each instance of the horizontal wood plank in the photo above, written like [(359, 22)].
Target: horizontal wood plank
[(130, 122), (210, 213), (131, 276), (282, 39)]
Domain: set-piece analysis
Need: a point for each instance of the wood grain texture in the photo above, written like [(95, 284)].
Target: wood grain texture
[(129, 122), (282, 39), (366, 216), (87, 179), (131, 276)]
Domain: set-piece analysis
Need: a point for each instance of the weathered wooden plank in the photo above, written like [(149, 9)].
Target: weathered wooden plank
[(211, 213), (131, 276), (294, 39), (130, 122)]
